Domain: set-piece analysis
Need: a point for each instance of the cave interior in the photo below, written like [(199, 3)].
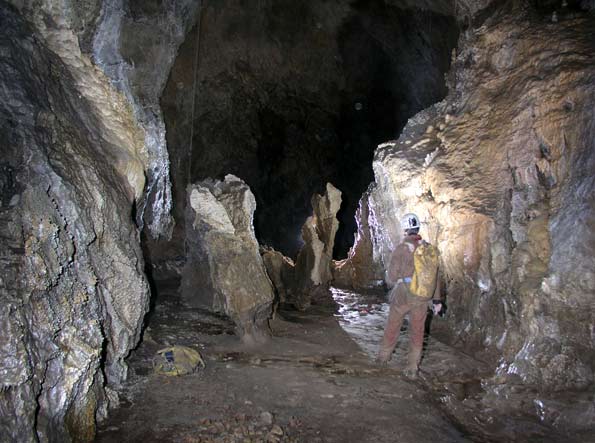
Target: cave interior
[(200, 201)]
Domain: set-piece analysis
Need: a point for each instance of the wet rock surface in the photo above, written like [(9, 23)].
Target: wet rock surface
[(72, 289), (119, 54), (135, 45), (224, 271)]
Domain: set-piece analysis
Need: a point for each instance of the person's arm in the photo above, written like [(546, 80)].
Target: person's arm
[(395, 269)]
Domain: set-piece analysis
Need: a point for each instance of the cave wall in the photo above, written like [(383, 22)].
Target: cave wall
[(132, 44), (276, 94), (135, 45), (501, 174), (73, 292)]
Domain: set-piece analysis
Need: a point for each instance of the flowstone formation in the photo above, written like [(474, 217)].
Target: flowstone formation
[(72, 289), (224, 271), (135, 45), (501, 175)]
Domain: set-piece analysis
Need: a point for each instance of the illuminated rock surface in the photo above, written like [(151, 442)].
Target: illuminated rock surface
[(360, 270), (501, 175), (224, 270)]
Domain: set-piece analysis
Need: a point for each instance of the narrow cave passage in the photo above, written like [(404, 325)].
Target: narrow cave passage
[(116, 326), (288, 108)]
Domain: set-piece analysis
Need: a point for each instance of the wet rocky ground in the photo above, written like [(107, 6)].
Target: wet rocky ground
[(314, 382)]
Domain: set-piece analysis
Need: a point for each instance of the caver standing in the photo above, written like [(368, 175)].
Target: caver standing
[(413, 276)]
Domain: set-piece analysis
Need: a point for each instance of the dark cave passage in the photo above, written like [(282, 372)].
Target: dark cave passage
[(289, 108)]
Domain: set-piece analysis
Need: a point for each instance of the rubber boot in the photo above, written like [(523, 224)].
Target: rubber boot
[(413, 363)]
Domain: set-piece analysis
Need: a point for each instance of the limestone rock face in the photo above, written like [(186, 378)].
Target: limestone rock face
[(135, 46), (224, 270), (313, 264), (119, 56), (72, 289), (501, 174)]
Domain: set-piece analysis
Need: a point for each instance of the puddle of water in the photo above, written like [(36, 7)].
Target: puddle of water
[(363, 317)]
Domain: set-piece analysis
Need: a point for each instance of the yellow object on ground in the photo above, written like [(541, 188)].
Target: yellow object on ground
[(177, 360)]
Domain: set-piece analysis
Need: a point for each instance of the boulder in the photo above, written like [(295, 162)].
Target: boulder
[(224, 271), (281, 271)]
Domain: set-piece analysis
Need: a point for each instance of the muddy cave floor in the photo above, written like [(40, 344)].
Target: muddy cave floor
[(315, 381)]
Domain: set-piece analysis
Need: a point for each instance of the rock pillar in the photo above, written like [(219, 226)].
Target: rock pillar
[(224, 271)]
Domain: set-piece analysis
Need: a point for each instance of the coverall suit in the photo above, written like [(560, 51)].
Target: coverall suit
[(403, 302)]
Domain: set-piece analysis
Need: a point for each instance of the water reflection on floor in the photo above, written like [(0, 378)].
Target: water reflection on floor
[(362, 316)]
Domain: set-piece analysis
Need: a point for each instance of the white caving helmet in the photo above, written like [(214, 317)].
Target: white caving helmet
[(410, 221)]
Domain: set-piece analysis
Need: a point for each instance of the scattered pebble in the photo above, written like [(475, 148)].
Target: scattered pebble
[(266, 418)]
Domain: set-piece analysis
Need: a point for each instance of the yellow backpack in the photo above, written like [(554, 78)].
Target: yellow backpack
[(177, 360), (426, 260)]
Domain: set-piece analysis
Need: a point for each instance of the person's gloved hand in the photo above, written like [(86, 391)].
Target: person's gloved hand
[(436, 307)]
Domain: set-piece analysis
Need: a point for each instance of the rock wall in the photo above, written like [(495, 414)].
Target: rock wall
[(135, 45), (72, 288), (224, 270), (281, 271), (501, 175), (120, 53)]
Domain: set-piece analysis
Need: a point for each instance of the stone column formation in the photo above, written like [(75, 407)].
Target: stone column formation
[(310, 278), (224, 271), (313, 265)]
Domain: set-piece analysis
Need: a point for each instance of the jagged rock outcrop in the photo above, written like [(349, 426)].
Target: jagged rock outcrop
[(224, 270), (501, 174), (313, 265), (360, 270), (72, 289)]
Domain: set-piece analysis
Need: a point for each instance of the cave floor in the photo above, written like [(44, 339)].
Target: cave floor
[(315, 381)]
